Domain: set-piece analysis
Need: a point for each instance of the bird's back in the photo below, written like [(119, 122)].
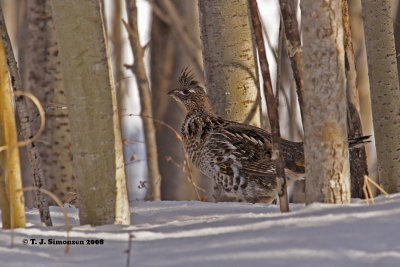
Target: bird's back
[(236, 156)]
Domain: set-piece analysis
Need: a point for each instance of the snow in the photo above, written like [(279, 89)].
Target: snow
[(192, 233)]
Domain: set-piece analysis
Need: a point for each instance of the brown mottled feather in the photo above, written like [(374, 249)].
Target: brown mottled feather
[(237, 156)]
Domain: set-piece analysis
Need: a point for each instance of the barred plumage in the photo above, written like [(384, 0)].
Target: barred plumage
[(237, 156)]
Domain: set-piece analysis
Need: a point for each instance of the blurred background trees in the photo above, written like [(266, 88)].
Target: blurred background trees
[(173, 22)]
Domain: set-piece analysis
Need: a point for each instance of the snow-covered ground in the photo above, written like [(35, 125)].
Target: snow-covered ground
[(179, 233)]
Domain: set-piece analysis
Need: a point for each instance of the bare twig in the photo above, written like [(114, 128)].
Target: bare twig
[(186, 161), (271, 106), (25, 124), (294, 49), (128, 251), (132, 141), (167, 13), (367, 190), (186, 169), (42, 117), (177, 135), (279, 61), (138, 69), (190, 175)]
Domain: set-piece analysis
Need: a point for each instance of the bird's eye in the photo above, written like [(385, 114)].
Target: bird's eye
[(185, 92)]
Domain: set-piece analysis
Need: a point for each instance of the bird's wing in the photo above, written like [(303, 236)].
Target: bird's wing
[(244, 147), (293, 152)]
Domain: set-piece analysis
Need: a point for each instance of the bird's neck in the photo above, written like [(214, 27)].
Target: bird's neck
[(201, 109)]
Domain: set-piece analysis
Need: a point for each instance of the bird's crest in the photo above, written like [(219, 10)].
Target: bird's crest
[(187, 79)]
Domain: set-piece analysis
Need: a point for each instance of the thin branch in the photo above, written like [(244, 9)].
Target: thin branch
[(368, 192), (168, 14), (294, 49), (138, 69), (128, 251), (186, 161), (271, 106), (279, 61)]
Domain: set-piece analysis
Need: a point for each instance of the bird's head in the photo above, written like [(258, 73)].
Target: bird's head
[(190, 93)]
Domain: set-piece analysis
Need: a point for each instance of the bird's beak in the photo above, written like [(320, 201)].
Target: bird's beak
[(173, 92)]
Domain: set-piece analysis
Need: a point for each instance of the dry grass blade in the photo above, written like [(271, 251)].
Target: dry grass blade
[(185, 168), (42, 118), (186, 159), (369, 190), (366, 187), (178, 136)]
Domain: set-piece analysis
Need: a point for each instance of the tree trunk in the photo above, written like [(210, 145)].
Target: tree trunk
[(384, 86), (396, 26), (325, 132), (356, 21), (25, 122), (41, 75), (229, 60), (11, 200), (358, 155), (95, 130)]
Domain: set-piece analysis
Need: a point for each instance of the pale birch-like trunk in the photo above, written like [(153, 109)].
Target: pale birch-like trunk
[(229, 59), (325, 131), (384, 86), (92, 106), (41, 75)]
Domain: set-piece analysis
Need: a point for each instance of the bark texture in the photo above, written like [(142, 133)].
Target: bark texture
[(384, 86), (229, 60), (11, 200), (396, 26), (326, 146), (25, 122), (358, 41), (95, 130), (358, 155), (41, 75)]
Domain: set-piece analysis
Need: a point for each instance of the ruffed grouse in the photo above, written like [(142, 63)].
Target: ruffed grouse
[(237, 156)]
